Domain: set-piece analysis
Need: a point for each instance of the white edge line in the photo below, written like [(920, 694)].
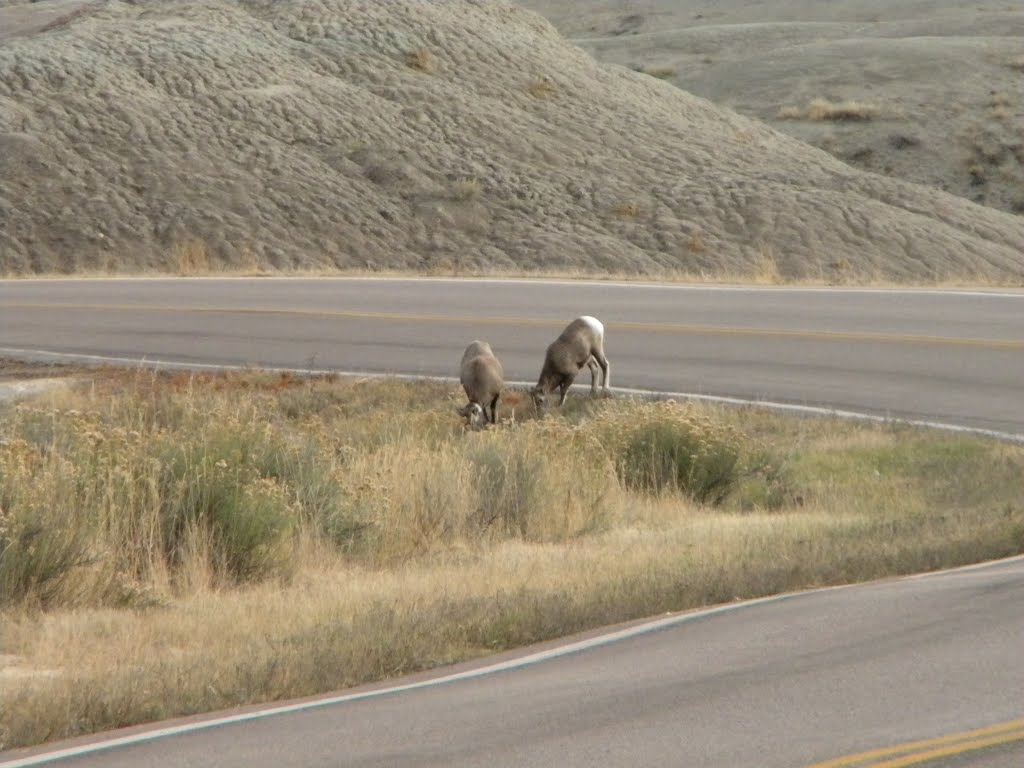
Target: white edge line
[(504, 666), (524, 661), (1006, 293), (806, 410), (518, 663)]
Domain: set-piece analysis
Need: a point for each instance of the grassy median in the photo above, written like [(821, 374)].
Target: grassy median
[(177, 543)]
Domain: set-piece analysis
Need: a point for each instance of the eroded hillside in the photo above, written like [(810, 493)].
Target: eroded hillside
[(929, 91), (411, 135)]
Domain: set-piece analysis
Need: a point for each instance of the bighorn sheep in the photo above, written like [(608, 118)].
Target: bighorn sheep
[(482, 378), (581, 343)]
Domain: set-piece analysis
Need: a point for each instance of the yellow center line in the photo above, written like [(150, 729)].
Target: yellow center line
[(950, 751), (679, 328), (913, 752)]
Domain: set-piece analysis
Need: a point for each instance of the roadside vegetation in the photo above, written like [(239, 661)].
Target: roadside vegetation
[(177, 543), (765, 269), (821, 109)]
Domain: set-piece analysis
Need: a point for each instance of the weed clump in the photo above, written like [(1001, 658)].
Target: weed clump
[(282, 536), (180, 486), (100, 507), (664, 447), (819, 110), (214, 497)]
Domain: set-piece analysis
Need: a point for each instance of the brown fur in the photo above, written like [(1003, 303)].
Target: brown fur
[(580, 344), (482, 379)]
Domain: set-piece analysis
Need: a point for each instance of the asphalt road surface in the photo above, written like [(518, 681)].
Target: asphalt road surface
[(896, 670), (791, 681), (950, 357)]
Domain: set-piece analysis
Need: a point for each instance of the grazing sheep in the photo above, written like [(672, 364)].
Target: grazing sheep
[(581, 343), (482, 378)]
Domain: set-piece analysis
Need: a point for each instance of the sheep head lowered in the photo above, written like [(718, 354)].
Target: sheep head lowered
[(482, 379), (580, 344)]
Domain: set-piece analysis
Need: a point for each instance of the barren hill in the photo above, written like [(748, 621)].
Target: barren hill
[(421, 135), (937, 86)]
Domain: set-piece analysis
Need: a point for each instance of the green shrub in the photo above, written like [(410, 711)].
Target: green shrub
[(301, 466), (39, 555), (766, 484), (213, 488), (670, 457), (43, 544), (662, 447)]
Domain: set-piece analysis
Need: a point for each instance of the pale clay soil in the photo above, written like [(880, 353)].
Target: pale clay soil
[(946, 77), (481, 137)]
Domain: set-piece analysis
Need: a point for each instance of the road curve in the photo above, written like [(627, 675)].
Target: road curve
[(953, 357), (798, 680), (789, 681)]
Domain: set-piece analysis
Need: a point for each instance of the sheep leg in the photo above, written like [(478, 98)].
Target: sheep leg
[(563, 389), (494, 409), (593, 366), (606, 369)]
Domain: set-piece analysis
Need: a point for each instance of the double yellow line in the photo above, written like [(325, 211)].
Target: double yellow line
[(917, 752), (648, 327)]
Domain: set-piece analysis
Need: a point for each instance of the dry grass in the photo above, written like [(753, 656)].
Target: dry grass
[(1000, 113), (977, 172), (421, 59), (766, 267), (540, 87), (466, 189), (1000, 106), (696, 243), (627, 210), (331, 532), (661, 73), (192, 258), (819, 110)]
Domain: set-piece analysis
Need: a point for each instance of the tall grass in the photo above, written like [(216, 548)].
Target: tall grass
[(100, 502), (661, 447), (162, 490), (175, 544)]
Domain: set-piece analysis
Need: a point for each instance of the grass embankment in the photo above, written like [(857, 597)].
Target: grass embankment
[(173, 544), (765, 271)]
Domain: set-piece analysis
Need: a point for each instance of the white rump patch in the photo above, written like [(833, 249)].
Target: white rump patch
[(594, 323)]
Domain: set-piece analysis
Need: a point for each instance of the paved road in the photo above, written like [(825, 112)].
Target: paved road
[(779, 682), (950, 357), (789, 682)]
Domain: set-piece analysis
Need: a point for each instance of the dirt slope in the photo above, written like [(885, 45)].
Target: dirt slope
[(463, 135), (945, 78)]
